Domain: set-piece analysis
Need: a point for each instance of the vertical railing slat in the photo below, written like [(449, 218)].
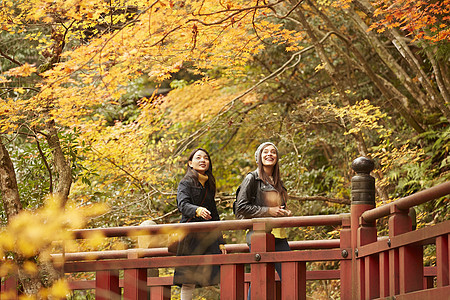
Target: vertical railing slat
[(442, 261), (9, 291), (159, 292), (346, 264), (394, 272), (384, 274), (135, 284), (410, 258), (232, 282), (107, 285), (372, 277), (411, 268), (293, 283)]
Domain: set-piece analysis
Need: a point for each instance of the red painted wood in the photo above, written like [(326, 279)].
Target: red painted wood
[(278, 290), (384, 274), (358, 272), (428, 282), (430, 294), (399, 221), (379, 269), (423, 236), (9, 289), (174, 261), (263, 274), (394, 272), (372, 277), (107, 285), (209, 226), (356, 212), (160, 293), (293, 283), (407, 202), (346, 263), (360, 286), (411, 268), (367, 267), (135, 284), (442, 261), (232, 282)]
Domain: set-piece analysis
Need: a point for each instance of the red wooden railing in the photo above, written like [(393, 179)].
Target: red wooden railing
[(370, 267)]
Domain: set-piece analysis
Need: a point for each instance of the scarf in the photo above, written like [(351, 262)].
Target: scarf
[(202, 179)]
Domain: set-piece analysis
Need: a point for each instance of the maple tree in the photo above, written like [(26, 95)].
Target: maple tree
[(310, 75)]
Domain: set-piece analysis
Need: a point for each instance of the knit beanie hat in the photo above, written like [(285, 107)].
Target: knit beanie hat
[(261, 147)]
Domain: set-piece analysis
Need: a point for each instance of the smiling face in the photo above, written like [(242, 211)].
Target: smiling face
[(200, 162), (269, 156)]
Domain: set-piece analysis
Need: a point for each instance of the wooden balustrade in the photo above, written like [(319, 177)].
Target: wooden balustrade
[(370, 267)]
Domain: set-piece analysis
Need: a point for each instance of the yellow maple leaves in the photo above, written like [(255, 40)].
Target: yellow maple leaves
[(39, 234), (24, 70)]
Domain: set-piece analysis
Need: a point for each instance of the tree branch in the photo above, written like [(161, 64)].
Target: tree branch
[(10, 58), (320, 198)]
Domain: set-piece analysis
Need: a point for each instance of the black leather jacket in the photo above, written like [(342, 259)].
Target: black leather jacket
[(250, 204), (190, 196)]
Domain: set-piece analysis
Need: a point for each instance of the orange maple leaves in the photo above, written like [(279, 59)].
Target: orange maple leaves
[(424, 20)]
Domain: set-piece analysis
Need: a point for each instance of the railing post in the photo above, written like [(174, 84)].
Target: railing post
[(442, 260), (161, 292), (346, 263), (107, 285), (232, 282), (134, 281), (293, 283), (8, 289), (363, 198), (262, 274), (407, 272)]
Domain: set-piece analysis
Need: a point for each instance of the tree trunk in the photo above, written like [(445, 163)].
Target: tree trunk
[(390, 61), (8, 184), (62, 167), (392, 94), (435, 98), (360, 143), (442, 104)]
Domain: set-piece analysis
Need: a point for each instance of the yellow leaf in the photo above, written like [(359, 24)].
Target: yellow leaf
[(24, 70), (20, 90), (30, 267), (60, 289)]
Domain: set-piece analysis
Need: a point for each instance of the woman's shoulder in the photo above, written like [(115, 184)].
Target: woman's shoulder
[(253, 174), (187, 182)]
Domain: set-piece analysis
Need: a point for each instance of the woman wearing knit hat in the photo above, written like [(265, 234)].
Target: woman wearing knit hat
[(262, 194), (195, 200)]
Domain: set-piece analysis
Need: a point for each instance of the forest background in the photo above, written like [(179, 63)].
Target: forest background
[(102, 101)]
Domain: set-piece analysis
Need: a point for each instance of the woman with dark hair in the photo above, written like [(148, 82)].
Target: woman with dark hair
[(195, 201), (262, 194)]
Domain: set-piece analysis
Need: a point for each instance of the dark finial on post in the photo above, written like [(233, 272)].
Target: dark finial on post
[(363, 184)]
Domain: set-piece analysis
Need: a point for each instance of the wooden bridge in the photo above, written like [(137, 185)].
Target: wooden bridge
[(370, 266)]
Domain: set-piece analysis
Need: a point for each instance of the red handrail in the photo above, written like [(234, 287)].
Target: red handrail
[(405, 203)]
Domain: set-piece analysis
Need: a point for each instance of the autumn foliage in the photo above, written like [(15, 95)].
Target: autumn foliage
[(423, 20), (101, 100)]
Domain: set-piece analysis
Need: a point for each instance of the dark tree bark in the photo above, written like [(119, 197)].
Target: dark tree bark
[(62, 167), (8, 184)]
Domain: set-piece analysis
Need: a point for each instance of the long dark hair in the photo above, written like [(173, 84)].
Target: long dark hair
[(277, 184), (193, 174)]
